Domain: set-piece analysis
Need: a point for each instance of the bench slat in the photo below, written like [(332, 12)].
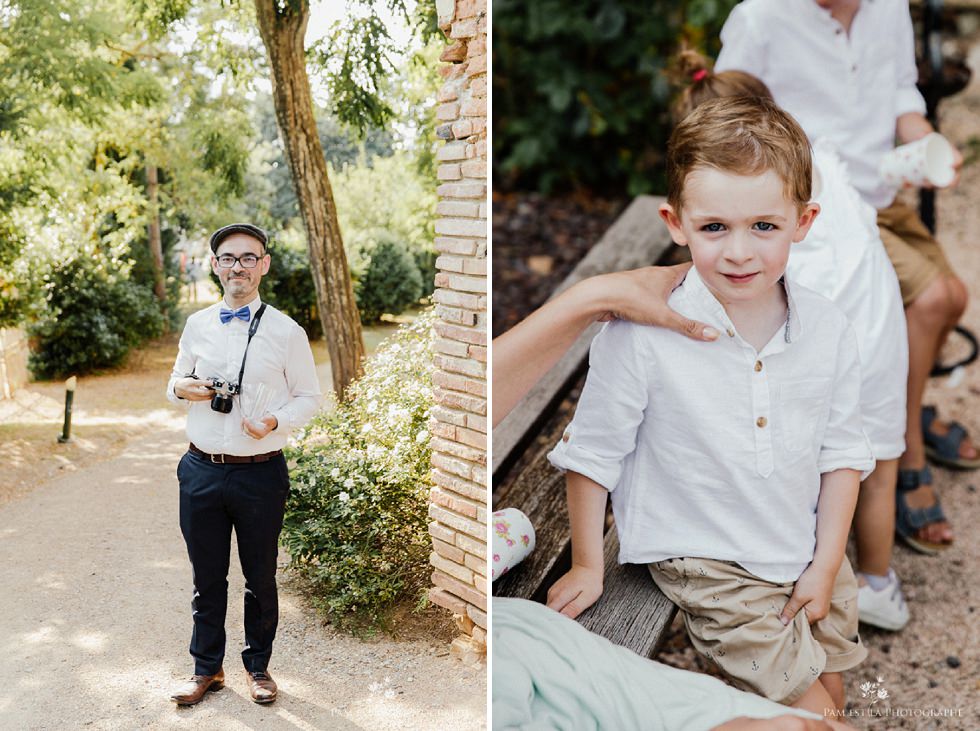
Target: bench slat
[(632, 610), (637, 238)]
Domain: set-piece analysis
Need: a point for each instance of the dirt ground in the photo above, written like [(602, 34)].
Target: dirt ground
[(96, 587)]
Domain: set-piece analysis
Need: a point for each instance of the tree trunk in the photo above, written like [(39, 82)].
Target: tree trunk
[(156, 244), (283, 32)]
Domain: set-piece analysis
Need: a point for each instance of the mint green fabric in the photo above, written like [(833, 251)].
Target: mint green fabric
[(549, 672)]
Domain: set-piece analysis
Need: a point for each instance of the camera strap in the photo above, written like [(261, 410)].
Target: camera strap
[(251, 332)]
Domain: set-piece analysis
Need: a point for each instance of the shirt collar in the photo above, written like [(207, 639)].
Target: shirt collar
[(713, 310)]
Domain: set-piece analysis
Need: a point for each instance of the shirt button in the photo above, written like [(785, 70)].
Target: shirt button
[(566, 436), (731, 333), (758, 366), (761, 422)]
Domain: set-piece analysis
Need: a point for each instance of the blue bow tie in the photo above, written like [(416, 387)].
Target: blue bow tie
[(242, 313)]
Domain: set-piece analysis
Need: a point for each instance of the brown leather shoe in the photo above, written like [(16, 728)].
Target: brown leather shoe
[(194, 690), (261, 686)]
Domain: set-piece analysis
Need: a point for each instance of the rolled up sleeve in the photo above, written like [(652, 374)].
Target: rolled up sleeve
[(845, 445), (604, 430), (907, 99)]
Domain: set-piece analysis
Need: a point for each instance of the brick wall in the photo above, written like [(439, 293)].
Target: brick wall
[(459, 423)]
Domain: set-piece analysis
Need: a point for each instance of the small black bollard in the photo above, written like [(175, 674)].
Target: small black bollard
[(69, 397)]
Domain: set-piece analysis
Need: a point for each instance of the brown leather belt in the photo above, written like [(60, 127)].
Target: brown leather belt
[(234, 458)]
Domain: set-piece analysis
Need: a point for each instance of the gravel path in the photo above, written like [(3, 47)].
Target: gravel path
[(95, 620)]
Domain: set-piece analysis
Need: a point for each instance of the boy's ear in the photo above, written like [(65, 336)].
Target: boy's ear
[(806, 219), (673, 221)]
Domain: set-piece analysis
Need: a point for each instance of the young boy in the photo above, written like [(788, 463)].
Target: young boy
[(734, 465)]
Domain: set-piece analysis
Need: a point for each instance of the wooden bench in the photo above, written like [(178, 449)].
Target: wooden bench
[(632, 611)]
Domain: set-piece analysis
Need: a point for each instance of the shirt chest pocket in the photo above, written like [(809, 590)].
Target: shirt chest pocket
[(802, 408)]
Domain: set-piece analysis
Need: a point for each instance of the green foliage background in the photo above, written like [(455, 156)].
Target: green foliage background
[(580, 94)]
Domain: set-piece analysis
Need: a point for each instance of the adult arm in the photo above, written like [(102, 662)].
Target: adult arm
[(523, 354), (182, 388), (743, 46), (302, 384)]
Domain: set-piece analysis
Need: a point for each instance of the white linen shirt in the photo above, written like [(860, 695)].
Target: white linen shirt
[(279, 357), (848, 90), (714, 450)]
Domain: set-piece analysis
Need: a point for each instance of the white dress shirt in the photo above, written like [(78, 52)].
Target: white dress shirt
[(714, 450), (843, 259), (849, 90), (279, 357)]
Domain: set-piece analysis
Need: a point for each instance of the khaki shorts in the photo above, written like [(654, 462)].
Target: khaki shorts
[(732, 617), (916, 255)]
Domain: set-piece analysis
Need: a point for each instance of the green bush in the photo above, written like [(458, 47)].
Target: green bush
[(356, 520), (387, 279), (92, 316), (580, 94)]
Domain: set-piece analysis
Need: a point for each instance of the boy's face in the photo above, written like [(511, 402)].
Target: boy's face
[(739, 229)]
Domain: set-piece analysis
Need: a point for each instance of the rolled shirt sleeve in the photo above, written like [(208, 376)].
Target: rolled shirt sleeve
[(845, 445), (604, 430), (907, 98), (301, 382)]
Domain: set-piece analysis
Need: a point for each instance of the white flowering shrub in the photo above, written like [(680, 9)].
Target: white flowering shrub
[(356, 520)]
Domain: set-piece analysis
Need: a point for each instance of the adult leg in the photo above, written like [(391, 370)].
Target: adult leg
[(260, 500), (206, 527), (927, 316), (874, 519)]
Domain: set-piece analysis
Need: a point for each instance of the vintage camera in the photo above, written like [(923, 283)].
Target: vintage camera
[(221, 401)]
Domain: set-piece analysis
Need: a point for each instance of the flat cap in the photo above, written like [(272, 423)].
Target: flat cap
[(237, 228)]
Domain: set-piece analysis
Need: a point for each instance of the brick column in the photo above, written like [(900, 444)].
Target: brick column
[(459, 420)]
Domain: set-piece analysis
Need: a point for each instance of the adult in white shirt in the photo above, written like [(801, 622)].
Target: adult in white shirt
[(234, 474), (845, 69)]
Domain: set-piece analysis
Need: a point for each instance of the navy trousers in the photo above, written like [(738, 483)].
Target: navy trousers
[(214, 498)]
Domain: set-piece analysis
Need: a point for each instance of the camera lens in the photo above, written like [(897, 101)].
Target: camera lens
[(221, 403)]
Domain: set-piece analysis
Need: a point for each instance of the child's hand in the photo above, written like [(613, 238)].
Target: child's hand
[(812, 592), (576, 591)]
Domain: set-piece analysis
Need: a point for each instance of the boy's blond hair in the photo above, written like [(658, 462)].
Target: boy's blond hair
[(742, 135)]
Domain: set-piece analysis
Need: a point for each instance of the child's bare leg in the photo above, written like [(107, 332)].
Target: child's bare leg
[(816, 699), (874, 519), (833, 683)]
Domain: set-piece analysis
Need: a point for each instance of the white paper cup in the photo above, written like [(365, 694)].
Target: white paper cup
[(928, 161), (513, 540)]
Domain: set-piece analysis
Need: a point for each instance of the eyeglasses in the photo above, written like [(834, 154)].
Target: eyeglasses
[(227, 261)]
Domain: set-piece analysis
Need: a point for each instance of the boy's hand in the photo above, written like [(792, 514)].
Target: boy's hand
[(576, 591), (812, 592)]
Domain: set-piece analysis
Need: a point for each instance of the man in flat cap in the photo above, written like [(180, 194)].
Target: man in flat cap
[(237, 357)]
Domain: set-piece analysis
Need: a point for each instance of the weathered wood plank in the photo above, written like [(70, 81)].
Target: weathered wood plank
[(637, 238), (632, 611), (539, 492)]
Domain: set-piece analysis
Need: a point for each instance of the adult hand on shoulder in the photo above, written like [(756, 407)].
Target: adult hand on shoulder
[(811, 592), (576, 591), (641, 295), (193, 389)]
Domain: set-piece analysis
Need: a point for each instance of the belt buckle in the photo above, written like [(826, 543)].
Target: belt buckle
[(215, 460)]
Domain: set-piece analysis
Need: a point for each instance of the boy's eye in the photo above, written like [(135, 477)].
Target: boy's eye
[(713, 227), (765, 226)]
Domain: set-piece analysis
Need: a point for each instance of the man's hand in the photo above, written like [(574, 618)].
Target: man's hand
[(812, 592), (576, 591), (640, 296), (193, 389), (260, 428)]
